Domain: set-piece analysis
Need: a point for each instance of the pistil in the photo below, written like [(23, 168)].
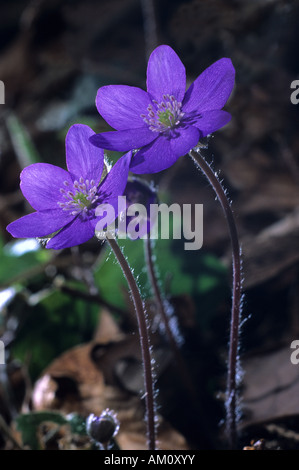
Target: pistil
[(165, 115), (79, 198)]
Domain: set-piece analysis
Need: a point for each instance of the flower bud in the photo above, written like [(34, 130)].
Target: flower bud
[(102, 428), (139, 192)]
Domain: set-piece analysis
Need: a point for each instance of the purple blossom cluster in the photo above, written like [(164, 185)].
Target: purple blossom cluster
[(159, 125)]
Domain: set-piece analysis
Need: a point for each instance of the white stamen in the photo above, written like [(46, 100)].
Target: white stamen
[(165, 115), (80, 198)]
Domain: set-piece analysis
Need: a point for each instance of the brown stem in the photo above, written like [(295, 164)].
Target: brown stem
[(144, 342), (231, 399)]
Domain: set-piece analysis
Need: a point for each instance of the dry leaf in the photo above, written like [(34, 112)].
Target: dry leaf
[(84, 380), (271, 387), (272, 251)]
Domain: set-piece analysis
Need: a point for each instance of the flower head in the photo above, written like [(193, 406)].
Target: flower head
[(167, 121), (65, 200)]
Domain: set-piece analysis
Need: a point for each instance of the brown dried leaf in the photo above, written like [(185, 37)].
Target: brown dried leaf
[(271, 387), (272, 251), (84, 380)]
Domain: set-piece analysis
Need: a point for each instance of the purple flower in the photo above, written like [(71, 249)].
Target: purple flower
[(165, 122), (65, 201)]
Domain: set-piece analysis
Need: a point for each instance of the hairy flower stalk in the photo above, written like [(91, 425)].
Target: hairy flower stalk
[(140, 192), (231, 398), (144, 342), (165, 123)]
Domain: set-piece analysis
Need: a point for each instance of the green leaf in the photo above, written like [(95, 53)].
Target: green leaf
[(22, 143), (19, 260), (77, 424), (195, 273), (28, 424), (111, 281), (54, 323)]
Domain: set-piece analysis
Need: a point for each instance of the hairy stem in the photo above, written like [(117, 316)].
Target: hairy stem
[(144, 342), (231, 399)]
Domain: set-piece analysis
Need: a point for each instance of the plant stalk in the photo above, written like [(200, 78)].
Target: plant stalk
[(231, 399), (144, 342)]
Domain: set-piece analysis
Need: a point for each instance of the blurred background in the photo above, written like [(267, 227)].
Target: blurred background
[(66, 318)]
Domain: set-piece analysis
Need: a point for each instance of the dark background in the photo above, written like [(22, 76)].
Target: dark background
[(54, 56)]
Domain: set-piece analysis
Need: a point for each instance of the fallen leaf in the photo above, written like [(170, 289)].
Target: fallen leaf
[(270, 387), (84, 380), (271, 251)]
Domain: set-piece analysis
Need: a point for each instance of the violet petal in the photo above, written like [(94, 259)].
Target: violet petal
[(166, 74), (122, 141), (211, 121), (39, 224), (109, 216), (122, 105), (82, 158), (212, 88), (41, 184), (76, 232), (164, 151), (115, 182)]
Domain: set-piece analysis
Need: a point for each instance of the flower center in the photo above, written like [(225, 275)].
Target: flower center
[(79, 197), (165, 115)]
